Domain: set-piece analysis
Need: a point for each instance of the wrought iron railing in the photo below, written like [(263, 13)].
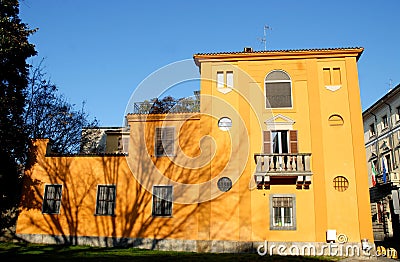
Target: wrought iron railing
[(179, 106)]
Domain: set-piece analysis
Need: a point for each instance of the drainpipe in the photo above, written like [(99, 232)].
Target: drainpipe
[(376, 142)]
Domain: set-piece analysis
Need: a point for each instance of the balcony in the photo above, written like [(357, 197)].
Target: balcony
[(393, 177), (168, 105), (283, 167)]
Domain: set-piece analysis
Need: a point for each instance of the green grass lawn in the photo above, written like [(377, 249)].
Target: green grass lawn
[(44, 253)]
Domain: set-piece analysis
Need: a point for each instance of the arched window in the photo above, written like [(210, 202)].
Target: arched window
[(278, 90)]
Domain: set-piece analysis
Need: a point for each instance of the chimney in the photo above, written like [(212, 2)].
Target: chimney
[(248, 49)]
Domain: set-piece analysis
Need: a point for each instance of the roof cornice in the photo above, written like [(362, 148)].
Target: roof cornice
[(280, 54), (382, 100)]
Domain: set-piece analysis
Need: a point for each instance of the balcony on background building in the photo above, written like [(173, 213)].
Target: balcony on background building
[(281, 166), (392, 177)]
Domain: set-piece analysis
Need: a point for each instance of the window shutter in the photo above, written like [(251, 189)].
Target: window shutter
[(220, 79), (267, 142), (158, 147), (293, 141), (164, 141), (168, 138), (229, 79)]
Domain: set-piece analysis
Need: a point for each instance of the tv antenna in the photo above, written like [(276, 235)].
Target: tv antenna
[(390, 84), (264, 39)]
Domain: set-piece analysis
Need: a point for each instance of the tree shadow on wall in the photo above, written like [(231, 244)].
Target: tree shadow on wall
[(132, 222)]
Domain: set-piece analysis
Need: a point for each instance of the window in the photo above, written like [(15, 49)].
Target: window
[(225, 81), (225, 123), (335, 120), (387, 163), (336, 77), (332, 76), (280, 141), (278, 90), (105, 203), (220, 79), (379, 212), (162, 201), (384, 122), (52, 199), (398, 113), (283, 212), (340, 183), (164, 141), (229, 79), (224, 184), (327, 76), (371, 130), (123, 144)]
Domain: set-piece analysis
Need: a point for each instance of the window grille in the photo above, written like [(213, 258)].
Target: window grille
[(340, 183), (162, 201), (105, 203), (224, 184), (52, 199), (283, 213)]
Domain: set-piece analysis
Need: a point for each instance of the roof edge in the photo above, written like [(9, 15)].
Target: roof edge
[(382, 100), (356, 50)]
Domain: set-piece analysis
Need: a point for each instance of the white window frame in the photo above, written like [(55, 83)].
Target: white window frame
[(229, 79), (220, 79)]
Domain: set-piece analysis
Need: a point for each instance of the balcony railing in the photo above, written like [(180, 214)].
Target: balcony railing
[(283, 164), (391, 177), (177, 106)]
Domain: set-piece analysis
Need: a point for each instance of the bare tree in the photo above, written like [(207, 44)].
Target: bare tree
[(49, 115)]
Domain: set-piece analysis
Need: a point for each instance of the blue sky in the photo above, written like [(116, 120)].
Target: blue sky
[(99, 51)]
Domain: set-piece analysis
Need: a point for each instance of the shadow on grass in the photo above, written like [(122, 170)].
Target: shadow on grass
[(35, 252)]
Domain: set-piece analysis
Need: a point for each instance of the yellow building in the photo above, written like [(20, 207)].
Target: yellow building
[(275, 154)]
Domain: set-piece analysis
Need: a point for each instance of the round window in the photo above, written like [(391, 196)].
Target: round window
[(225, 123), (340, 183), (224, 184)]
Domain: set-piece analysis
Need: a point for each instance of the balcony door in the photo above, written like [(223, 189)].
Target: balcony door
[(280, 141)]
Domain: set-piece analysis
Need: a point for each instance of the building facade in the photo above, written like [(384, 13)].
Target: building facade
[(382, 144), (260, 162)]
